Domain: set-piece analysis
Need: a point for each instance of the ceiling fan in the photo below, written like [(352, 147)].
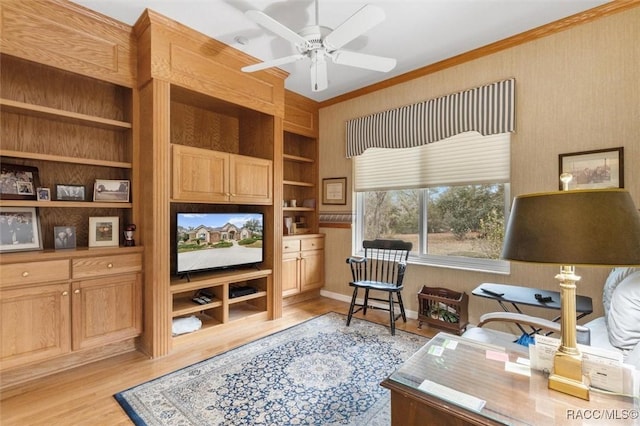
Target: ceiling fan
[(318, 43)]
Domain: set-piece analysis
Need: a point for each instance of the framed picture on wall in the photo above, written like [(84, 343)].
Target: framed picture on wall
[(602, 168), (334, 190)]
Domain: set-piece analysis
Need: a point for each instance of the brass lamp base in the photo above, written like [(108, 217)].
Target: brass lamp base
[(567, 375)]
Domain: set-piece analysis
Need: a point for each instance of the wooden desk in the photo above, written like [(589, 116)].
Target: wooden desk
[(466, 366)]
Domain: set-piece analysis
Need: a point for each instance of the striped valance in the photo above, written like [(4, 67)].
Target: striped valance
[(487, 110)]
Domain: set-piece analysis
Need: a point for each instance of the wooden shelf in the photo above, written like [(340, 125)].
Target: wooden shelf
[(64, 204), (298, 159), (298, 209), (9, 105), (298, 183), (241, 299), (64, 159), (185, 306), (215, 278)]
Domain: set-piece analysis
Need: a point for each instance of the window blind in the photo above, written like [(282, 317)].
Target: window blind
[(465, 159)]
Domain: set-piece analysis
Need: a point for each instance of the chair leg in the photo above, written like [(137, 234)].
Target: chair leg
[(392, 316), (404, 315), (366, 301), (353, 304)]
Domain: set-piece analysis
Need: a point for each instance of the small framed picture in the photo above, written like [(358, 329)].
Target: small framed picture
[(44, 194), (334, 190), (114, 191), (104, 231), (19, 229), (602, 168), (65, 192), (64, 237), (18, 182)]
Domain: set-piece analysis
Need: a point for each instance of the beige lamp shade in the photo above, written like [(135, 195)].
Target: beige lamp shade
[(582, 227)]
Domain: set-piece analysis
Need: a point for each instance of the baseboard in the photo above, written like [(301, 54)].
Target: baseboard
[(344, 298)]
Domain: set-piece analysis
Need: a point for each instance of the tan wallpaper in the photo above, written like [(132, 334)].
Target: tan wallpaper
[(576, 90)]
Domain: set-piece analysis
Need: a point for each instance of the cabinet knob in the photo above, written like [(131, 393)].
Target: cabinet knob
[(109, 265), (76, 291), (25, 274), (65, 293)]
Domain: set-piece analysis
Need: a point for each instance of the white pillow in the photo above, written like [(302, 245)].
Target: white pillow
[(623, 320)]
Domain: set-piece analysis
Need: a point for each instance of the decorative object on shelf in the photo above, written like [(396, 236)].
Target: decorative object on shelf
[(309, 203), (64, 237), (293, 203), (19, 229), (44, 194), (128, 235), (334, 191), (288, 223), (18, 182), (594, 227), (602, 168), (115, 191), (65, 192), (103, 231)]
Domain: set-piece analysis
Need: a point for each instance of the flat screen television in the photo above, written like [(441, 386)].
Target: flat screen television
[(206, 241)]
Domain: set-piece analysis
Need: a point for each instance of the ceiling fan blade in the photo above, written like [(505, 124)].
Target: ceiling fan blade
[(319, 79), (276, 27), (359, 23), (362, 60), (272, 63)]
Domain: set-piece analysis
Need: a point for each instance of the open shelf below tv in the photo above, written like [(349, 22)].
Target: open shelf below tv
[(222, 309)]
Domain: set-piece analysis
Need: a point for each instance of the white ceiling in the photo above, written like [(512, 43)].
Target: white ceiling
[(415, 32)]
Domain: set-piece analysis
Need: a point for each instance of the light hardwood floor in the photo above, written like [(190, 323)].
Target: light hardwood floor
[(84, 396)]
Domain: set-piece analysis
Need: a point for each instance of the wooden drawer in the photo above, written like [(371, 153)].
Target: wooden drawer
[(106, 265), (290, 245), (34, 272), (313, 244)]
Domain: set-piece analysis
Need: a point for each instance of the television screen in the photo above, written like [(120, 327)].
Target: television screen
[(217, 240)]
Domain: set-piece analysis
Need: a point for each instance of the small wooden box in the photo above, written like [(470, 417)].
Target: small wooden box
[(443, 308)]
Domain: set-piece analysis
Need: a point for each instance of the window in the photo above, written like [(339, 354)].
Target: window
[(450, 199)]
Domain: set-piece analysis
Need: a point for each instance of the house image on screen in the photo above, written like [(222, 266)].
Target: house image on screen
[(213, 235)]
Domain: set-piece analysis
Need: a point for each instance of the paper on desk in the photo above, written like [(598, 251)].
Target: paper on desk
[(602, 367), (497, 356)]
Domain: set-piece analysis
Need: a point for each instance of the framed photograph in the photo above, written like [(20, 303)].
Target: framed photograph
[(19, 229), (44, 194), (115, 191), (602, 168), (334, 190), (104, 231), (66, 192), (18, 182), (64, 237)]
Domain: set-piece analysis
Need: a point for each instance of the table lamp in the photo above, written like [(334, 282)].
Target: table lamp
[(597, 227)]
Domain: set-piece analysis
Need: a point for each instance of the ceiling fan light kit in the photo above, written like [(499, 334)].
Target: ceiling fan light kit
[(317, 42)]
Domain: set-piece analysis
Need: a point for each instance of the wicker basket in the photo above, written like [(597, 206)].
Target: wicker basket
[(443, 308)]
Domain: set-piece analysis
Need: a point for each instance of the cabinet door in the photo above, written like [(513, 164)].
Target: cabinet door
[(106, 310), (35, 324), (200, 174), (251, 180), (312, 269), (290, 274)]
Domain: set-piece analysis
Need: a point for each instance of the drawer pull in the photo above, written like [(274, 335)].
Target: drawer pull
[(65, 293), (76, 291), (109, 265), (25, 274)]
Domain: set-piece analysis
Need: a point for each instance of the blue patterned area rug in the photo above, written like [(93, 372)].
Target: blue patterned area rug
[(319, 372)]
